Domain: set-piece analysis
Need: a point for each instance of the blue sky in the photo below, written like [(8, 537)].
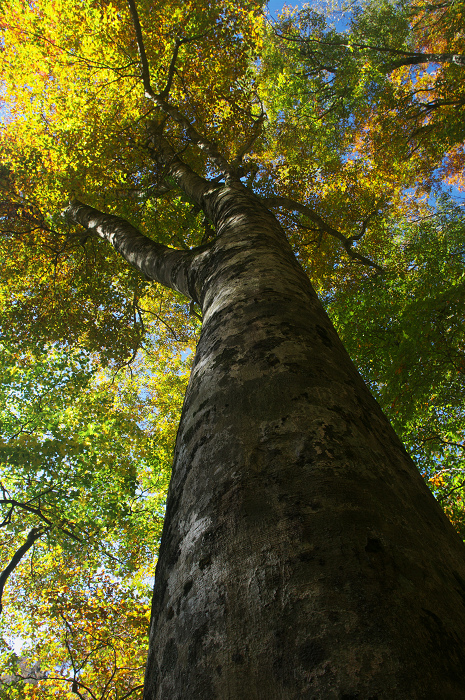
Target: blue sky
[(340, 21), (275, 6)]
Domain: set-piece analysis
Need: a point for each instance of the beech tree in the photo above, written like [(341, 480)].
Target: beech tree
[(302, 554)]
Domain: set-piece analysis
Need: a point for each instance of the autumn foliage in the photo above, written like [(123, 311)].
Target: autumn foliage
[(352, 137)]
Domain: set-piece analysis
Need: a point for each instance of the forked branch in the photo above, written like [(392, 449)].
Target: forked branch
[(323, 226), (168, 266), (247, 147), (208, 147), (34, 534)]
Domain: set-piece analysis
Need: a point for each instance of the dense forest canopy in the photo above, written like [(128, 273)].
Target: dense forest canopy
[(353, 137)]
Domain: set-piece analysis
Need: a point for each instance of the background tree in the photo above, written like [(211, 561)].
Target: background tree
[(89, 632), (85, 466)]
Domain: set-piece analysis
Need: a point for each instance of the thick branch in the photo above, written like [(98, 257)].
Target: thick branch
[(32, 537), (414, 59), (288, 203), (166, 90), (193, 185), (157, 262), (208, 147), (405, 57)]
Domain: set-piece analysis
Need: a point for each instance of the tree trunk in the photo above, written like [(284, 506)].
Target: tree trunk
[(302, 556)]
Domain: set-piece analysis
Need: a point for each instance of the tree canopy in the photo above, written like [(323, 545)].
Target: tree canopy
[(351, 136)]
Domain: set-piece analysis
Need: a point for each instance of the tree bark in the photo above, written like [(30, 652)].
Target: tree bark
[(302, 554), (173, 268)]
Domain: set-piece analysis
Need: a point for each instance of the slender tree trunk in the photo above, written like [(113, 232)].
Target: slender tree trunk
[(302, 555)]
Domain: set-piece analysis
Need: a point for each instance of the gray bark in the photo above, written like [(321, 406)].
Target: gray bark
[(302, 554), (168, 266), (419, 58)]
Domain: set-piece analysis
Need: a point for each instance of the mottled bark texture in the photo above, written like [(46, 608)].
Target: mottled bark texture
[(302, 555), (173, 268)]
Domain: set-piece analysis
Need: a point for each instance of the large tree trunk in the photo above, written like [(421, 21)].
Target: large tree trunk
[(302, 554)]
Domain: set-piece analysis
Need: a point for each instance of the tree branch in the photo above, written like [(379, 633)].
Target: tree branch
[(365, 223), (208, 147), (168, 266), (166, 90), (136, 687), (24, 506), (248, 145), (289, 203), (409, 57), (32, 537), (193, 185)]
